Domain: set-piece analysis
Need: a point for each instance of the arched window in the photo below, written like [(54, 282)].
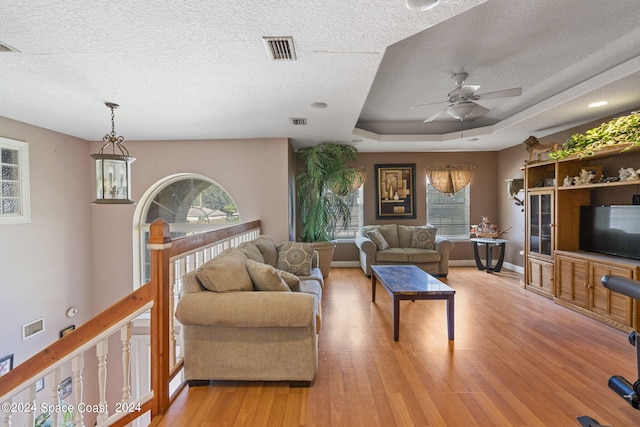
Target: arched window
[(189, 203)]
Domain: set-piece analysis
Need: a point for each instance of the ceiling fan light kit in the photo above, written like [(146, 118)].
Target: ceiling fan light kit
[(462, 99), (420, 5)]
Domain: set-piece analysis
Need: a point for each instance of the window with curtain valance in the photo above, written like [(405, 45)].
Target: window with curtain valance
[(449, 179)]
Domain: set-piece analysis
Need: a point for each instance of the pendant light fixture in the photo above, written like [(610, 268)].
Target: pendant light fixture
[(420, 5), (113, 171)]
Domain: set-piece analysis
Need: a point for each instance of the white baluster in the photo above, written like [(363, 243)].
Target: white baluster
[(77, 366), (125, 337), (31, 393), (102, 349), (54, 380), (6, 416)]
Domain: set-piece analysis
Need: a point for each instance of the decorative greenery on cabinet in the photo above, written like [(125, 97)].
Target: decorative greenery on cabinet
[(623, 130)]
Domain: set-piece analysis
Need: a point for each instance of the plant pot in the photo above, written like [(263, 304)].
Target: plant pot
[(325, 255)]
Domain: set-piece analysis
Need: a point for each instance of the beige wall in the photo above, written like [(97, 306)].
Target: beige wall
[(254, 172), (45, 265), (484, 199)]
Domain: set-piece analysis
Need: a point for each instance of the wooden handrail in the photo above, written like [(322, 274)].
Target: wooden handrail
[(12, 380)]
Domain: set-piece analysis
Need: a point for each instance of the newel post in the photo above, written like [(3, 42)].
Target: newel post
[(159, 242)]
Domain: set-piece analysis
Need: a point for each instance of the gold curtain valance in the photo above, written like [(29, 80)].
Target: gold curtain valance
[(449, 179)]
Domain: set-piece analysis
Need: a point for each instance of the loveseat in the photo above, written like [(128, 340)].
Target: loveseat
[(402, 244), (253, 313)]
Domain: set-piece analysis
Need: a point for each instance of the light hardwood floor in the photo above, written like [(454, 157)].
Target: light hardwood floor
[(517, 360)]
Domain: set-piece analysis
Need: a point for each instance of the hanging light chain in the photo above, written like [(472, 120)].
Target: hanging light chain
[(111, 138)]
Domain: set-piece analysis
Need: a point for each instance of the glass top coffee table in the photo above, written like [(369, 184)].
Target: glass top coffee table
[(408, 282)]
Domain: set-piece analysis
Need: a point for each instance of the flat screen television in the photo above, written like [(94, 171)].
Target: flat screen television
[(611, 230)]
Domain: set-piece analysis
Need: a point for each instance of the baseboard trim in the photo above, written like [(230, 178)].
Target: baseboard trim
[(452, 263)]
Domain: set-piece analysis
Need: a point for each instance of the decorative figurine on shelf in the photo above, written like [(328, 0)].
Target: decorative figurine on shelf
[(585, 177), (629, 174), (486, 230), (567, 181), (536, 149)]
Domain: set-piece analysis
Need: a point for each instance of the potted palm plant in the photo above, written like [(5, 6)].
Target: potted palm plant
[(325, 180)]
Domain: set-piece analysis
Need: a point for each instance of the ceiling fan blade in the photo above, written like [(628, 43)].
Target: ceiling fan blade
[(435, 116), (516, 91), (428, 103)]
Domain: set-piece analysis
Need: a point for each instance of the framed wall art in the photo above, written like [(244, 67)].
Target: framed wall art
[(395, 191), (6, 364)]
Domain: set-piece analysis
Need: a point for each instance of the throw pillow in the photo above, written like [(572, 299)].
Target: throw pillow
[(424, 238), (251, 251), (378, 239), (295, 257), (267, 248), (226, 273), (290, 279), (265, 277)]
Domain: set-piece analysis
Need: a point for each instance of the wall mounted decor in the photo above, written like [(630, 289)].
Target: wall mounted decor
[(395, 191), (6, 364)]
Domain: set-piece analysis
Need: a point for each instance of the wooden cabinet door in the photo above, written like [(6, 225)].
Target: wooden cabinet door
[(572, 280), (541, 275), (613, 305)]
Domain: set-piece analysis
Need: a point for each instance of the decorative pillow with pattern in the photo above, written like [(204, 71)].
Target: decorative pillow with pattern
[(377, 238), (424, 238), (265, 277), (295, 257)]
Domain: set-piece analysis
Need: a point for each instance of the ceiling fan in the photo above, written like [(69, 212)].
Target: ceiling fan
[(462, 99)]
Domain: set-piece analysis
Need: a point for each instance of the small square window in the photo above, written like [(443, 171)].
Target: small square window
[(14, 182)]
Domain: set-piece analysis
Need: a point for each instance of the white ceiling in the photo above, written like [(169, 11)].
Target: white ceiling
[(198, 69)]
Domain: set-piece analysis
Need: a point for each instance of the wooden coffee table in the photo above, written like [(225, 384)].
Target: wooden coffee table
[(408, 282)]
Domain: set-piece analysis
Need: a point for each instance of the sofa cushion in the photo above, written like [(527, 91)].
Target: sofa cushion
[(267, 248), (390, 233), (265, 277), (290, 279), (250, 249), (423, 255), (405, 234), (424, 238), (295, 257), (377, 238), (226, 273), (392, 255)]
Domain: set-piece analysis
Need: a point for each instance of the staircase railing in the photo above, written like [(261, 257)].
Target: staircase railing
[(170, 259)]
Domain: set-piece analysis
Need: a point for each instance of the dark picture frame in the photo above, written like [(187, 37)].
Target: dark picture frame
[(64, 388), (6, 364), (66, 331), (395, 191)]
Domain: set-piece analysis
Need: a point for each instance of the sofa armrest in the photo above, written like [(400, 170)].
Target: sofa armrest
[(365, 244), (443, 246), (368, 250), (247, 309)]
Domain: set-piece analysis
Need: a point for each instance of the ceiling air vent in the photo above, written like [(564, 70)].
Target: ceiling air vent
[(298, 121), (280, 48)]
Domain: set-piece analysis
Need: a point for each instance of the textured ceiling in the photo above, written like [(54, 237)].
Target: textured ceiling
[(198, 69)]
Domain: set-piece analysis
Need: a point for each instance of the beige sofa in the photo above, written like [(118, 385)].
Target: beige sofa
[(402, 244), (239, 321)]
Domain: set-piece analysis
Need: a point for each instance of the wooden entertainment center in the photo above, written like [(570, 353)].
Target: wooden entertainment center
[(555, 267)]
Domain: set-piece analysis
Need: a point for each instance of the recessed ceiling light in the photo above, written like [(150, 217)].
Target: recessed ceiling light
[(598, 104), (319, 105)]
